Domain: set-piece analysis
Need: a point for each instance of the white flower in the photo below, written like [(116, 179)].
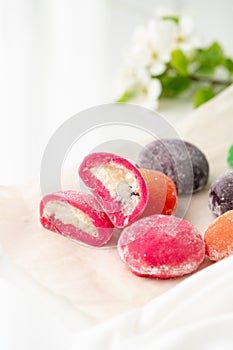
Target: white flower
[(152, 45), (185, 36), (151, 52), (147, 92)]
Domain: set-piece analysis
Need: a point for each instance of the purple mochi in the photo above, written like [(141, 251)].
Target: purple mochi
[(221, 194), (180, 160)]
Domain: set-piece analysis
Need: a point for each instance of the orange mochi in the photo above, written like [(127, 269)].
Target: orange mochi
[(219, 237), (162, 193)]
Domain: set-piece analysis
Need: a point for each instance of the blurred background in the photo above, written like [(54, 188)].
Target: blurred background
[(59, 57)]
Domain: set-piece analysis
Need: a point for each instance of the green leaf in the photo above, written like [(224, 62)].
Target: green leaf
[(202, 96), (174, 85), (194, 54), (205, 70), (125, 97), (212, 56), (230, 157), (179, 61), (228, 64), (171, 18)]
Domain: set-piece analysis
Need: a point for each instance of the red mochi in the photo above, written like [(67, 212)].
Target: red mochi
[(117, 185), (161, 246), (76, 215)]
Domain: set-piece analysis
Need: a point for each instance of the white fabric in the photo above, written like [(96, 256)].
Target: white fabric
[(31, 317), (196, 314)]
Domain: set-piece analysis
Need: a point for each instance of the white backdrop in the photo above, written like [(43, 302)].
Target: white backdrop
[(62, 56)]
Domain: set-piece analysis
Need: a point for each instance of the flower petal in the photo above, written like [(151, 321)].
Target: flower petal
[(157, 68), (154, 89)]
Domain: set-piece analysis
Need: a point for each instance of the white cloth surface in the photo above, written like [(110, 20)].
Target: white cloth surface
[(31, 317), (196, 314)]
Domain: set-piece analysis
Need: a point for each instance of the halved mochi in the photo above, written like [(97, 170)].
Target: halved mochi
[(76, 215), (117, 184)]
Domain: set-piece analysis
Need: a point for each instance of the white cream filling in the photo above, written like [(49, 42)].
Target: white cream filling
[(69, 215), (121, 184)]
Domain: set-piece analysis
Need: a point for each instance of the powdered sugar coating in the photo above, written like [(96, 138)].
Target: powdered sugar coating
[(76, 215), (161, 246), (219, 237), (221, 194), (180, 160), (117, 184)]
